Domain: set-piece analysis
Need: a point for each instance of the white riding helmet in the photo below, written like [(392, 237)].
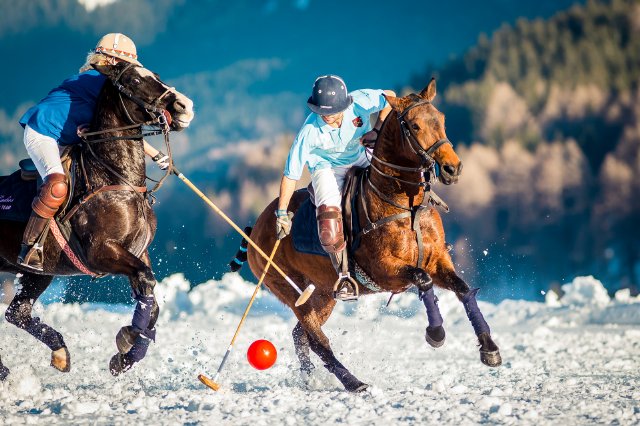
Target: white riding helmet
[(119, 46)]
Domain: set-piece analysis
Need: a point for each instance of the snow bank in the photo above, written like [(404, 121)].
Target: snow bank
[(555, 368), (585, 301)]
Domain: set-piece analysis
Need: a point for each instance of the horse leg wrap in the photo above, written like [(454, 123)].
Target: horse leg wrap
[(142, 313), (139, 349), (431, 304), (46, 334), (349, 381), (473, 312), (4, 371)]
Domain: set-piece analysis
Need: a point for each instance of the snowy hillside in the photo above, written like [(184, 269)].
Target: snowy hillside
[(575, 360)]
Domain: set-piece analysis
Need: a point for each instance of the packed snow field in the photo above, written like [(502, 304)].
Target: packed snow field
[(573, 360)]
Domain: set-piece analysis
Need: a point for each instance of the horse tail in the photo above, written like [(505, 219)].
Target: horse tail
[(241, 255)]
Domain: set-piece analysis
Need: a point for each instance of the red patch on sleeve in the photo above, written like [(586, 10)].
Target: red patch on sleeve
[(357, 122)]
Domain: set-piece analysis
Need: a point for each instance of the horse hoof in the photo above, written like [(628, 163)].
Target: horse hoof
[(491, 358), (435, 336), (125, 339), (360, 388), (61, 360), (4, 372), (119, 364)]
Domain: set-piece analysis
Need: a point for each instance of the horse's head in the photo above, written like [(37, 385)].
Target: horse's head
[(148, 95), (423, 128)]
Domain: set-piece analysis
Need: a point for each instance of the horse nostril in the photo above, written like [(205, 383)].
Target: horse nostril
[(179, 106), (449, 169)]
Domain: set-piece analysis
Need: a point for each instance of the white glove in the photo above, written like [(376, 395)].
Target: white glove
[(162, 160), (283, 223)]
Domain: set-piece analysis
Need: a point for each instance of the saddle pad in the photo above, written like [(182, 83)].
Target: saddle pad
[(16, 196), (304, 231)]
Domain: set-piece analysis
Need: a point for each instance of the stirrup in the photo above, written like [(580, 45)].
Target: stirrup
[(31, 257), (345, 288)]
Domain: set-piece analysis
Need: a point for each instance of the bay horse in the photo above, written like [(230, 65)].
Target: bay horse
[(113, 221), (405, 244)]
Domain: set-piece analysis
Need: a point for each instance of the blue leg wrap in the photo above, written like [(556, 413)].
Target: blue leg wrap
[(139, 349), (473, 312), (142, 314), (431, 304)]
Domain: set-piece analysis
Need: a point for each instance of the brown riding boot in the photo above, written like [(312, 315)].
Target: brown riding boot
[(330, 228), (332, 240), (45, 205), (30, 251)]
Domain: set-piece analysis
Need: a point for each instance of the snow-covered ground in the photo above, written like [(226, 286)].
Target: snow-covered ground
[(570, 361)]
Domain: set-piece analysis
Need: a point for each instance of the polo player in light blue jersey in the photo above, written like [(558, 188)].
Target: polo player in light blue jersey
[(329, 143)]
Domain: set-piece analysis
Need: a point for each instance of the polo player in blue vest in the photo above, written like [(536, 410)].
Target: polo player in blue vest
[(329, 143), (57, 121)]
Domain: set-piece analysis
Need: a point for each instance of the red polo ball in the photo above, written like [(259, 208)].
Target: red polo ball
[(262, 354)]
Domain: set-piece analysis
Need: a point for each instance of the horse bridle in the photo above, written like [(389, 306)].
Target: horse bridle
[(159, 115), (413, 212), (428, 163), (160, 118)]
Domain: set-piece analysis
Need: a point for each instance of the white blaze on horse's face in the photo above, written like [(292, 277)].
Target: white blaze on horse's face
[(182, 108)]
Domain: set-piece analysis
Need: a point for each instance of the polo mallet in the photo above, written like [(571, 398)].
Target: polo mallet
[(212, 383), (304, 295)]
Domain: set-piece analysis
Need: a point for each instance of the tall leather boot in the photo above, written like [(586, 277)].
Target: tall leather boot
[(332, 240), (30, 251), (45, 205)]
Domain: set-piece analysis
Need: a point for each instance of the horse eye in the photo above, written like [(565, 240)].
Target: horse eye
[(414, 126), (136, 81)]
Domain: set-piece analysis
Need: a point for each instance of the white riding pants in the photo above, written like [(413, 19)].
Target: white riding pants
[(327, 183), (44, 151)]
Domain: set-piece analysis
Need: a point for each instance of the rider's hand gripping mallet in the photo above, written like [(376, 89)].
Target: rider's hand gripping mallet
[(212, 383), (304, 295)]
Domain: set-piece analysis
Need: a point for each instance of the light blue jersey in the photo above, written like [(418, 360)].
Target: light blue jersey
[(320, 146)]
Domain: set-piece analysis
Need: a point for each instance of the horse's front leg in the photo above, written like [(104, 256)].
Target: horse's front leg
[(489, 351), (19, 314), (434, 334), (133, 340)]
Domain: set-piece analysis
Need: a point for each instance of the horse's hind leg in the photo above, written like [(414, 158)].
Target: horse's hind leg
[(301, 343), (489, 352), (311, 320), (19, 314)]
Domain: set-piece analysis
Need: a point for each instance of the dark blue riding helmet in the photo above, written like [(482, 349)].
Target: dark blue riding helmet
[(329, 95)]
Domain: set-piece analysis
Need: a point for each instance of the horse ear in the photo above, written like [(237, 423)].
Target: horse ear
[(399, 104), (429, 92)]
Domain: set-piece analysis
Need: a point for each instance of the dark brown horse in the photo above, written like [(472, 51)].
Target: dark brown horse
[(115, 224), (412, 143)]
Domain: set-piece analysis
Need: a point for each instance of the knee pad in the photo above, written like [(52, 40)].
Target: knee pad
[(330, 228), (52, 194)]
